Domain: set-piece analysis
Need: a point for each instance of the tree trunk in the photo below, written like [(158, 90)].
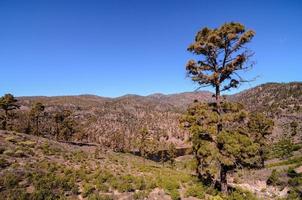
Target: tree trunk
[(223, 179), (223, 169)]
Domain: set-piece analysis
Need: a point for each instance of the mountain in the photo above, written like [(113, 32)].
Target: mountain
[(100, 117)]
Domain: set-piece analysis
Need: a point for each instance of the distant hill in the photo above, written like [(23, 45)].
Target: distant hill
[(101, 116)]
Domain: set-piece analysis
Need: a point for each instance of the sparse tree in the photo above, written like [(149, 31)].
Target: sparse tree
[(145, 142), (36, 112), (172, 154), (117, 141), (142, 140), (222, 54), (7, 103), (65, 125)]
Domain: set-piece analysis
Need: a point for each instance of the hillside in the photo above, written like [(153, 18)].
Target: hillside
[(100, 117), (281, 102), (38, 168)]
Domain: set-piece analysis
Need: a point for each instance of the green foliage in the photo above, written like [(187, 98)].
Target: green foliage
[(171, 154), (273, 179), (65, 125), (51, 186), (170, 185), (7, 104), (238, 143), (295, 161), (283, 148), (11, 139), (140, 195), (9, 180), (20, 154), (196, 190), (222, 52), (88, 189), (239, 194), (27, 143), (4, 163), (36, 112)]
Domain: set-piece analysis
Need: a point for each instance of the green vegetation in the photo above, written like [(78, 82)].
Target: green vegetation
[(240, 141), (37, 112), (291, 161), (284, 148), (196, 190), (8, 103)]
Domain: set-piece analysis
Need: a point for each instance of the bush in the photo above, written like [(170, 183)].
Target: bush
[(28, 143), (140, 195), (11, 139), (52, 186), (4, 163), (239, 194), (9, 180), (20, 154), (102, 187), (2, 149), (9, 152), (170, 185), (195, 190), (88, 189), (273, 179), (283, 148)]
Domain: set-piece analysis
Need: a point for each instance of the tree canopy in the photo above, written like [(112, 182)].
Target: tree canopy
[(238, 144), (7, 103), (222, 53)]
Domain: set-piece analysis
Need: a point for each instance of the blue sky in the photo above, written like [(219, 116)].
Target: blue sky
[(111, 48)]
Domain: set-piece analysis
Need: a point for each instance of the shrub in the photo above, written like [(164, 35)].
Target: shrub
[(273, 179), (2, 149), (3, 163), (239, 194), (283, 148), (170, 185), (102, 187), (10, 180), (140, 195), (52, 186), (9, 152), (195, 190), (28, 143), (88, 189), (11, 139), (20, 153)]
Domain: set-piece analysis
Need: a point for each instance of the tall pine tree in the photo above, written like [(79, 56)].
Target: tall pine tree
[(220, 133)]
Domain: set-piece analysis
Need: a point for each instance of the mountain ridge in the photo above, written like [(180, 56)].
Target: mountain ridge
[(99, 117)]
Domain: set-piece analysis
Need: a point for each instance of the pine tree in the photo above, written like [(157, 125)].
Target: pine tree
[(7, 103), (172, 154), (65, 125), (222, 54), (36, 112)]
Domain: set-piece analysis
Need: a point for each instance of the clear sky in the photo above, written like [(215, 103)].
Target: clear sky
[(111, 48)]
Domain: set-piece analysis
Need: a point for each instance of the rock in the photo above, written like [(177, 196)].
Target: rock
[(298, 170), (158, 194)]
